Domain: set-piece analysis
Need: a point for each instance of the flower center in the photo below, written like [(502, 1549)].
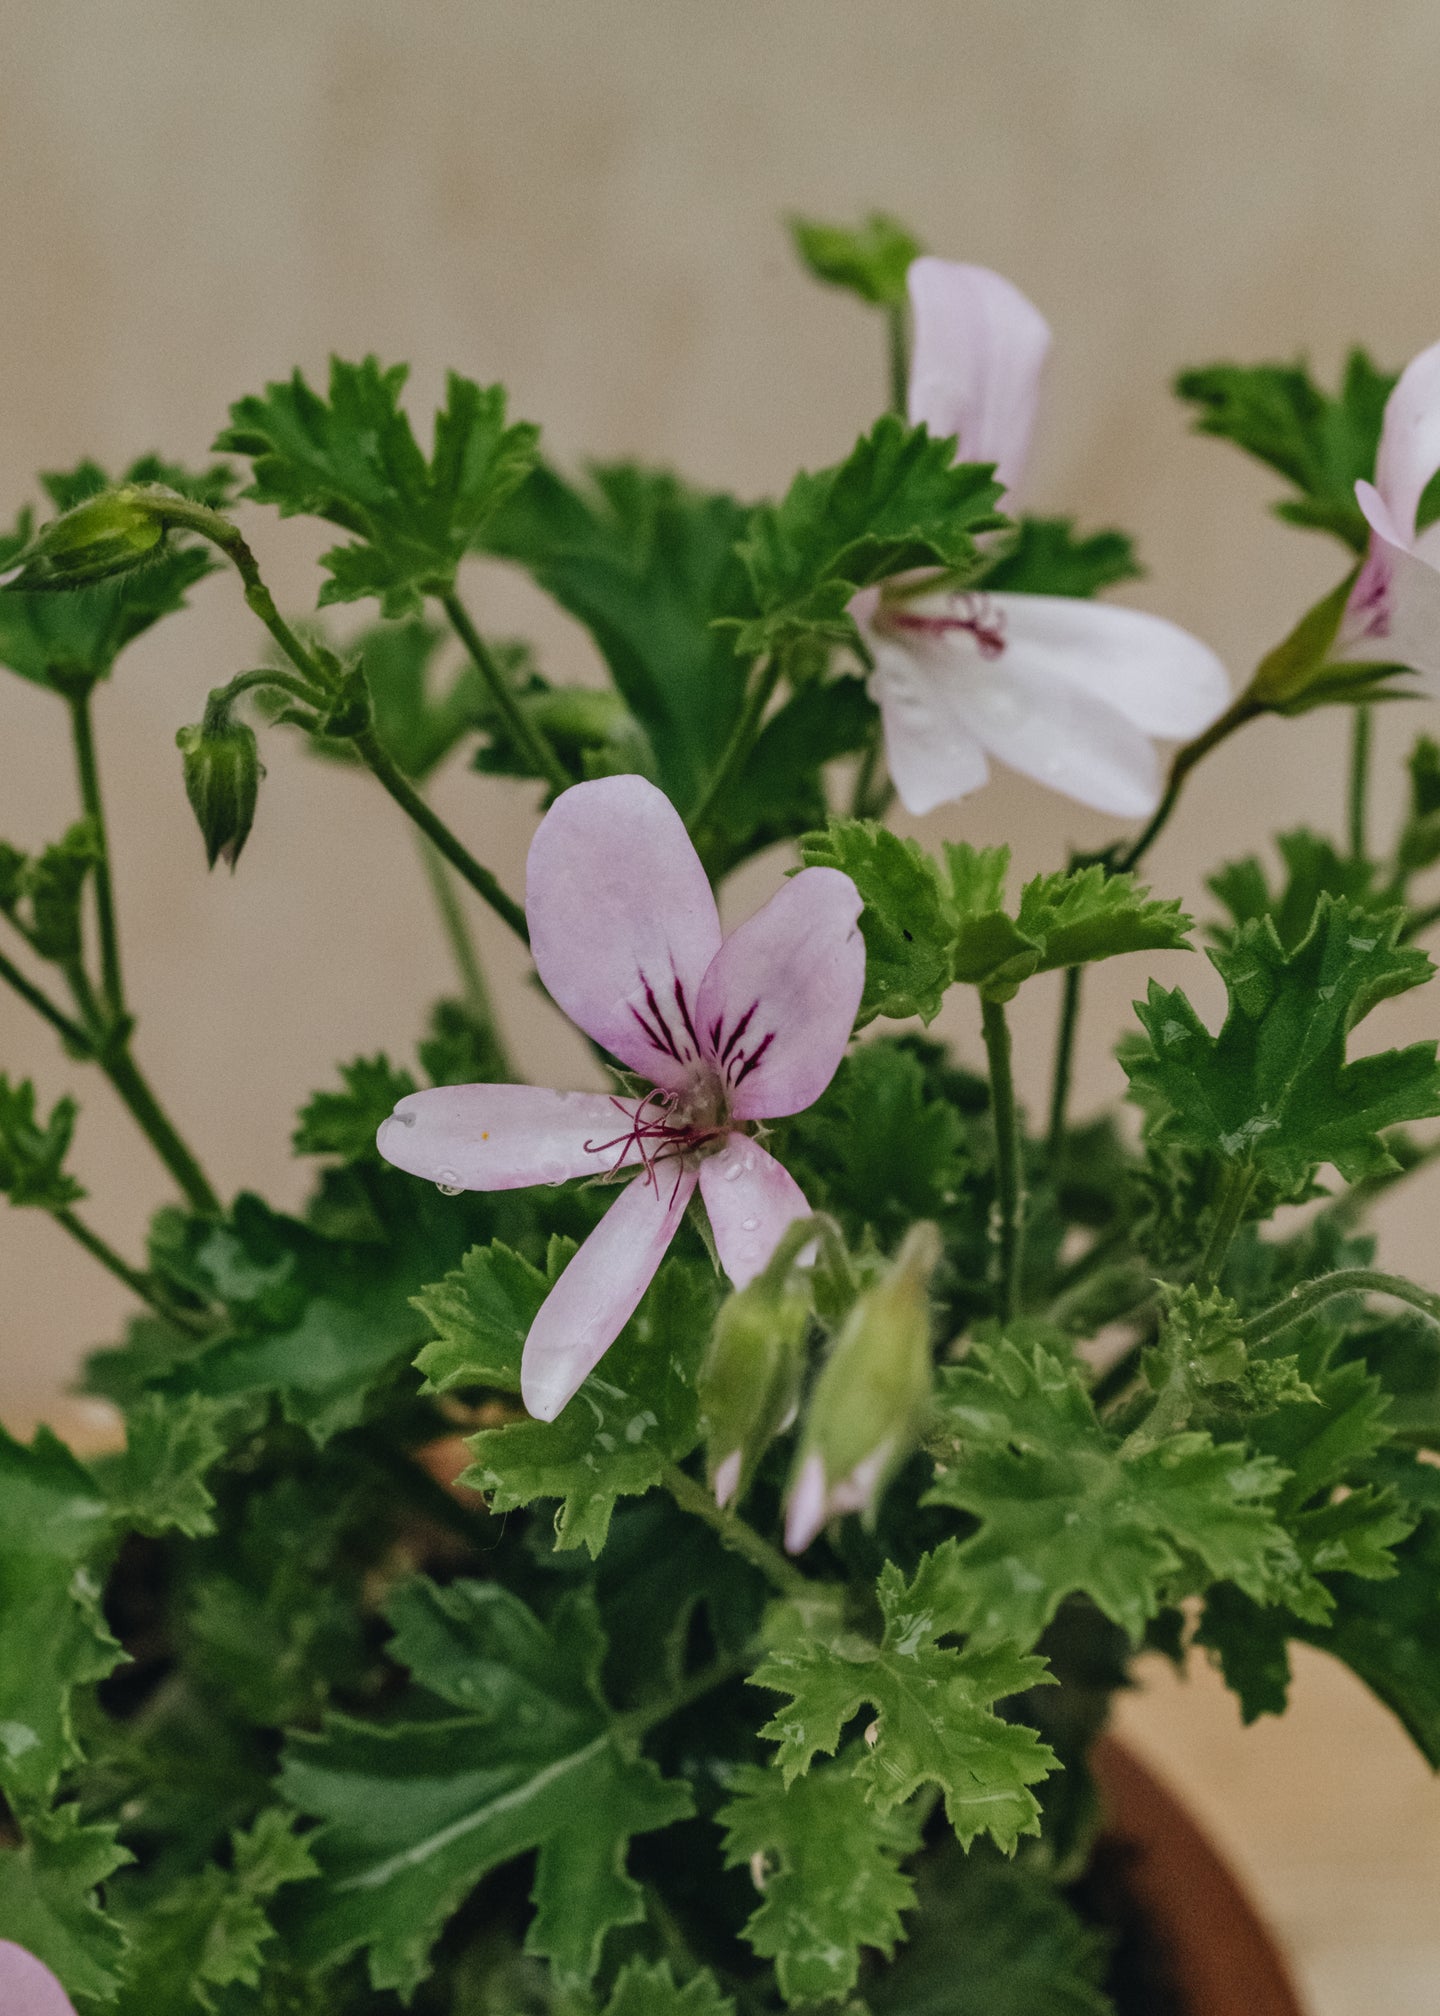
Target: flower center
[(669, 1127), (974, 613)]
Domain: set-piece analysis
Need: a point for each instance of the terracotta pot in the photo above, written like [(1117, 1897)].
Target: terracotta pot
[(1222, 1959)]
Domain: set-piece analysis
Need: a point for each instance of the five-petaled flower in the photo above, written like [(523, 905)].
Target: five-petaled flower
[(1394, 609), (1069, 692), (626, 937)]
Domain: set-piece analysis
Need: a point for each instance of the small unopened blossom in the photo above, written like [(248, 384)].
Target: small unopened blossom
[(27, 1987), (727, 1032), (1393, 614), (749, 1382), (868, 1406), (1069, 692)]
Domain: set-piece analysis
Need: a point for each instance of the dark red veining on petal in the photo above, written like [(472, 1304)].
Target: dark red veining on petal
[(1370, 597), (732, 1058), (976, 614)]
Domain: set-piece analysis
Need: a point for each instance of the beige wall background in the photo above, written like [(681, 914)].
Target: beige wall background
[(584, 200)]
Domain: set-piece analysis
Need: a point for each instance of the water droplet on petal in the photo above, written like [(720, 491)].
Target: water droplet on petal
[(749, 1224), (448, 1183), (733, 1170), (449, 1189)]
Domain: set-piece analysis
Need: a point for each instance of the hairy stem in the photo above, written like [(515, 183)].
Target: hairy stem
[(1359, 783), (898, 356), (128, 1080), (735, 1533), (1064, 1060), (1009, 1167), (737, 750), (139, 1284), (1234, 1194), (531, 740), (1313, 1295), (1236, 715), (74, 1037), (88, 772)]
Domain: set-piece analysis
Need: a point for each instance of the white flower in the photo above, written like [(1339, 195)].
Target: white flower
[(1394, 609)]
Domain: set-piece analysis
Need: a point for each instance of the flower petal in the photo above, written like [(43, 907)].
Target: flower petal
[(1160, 678), (600, 1290), (622, 921), (779, 1001), (505, 1137), (1064, 739), (1393, 615), (27, 1987), (979, 350), (931, 754), (751, 1200), (1410, 440)]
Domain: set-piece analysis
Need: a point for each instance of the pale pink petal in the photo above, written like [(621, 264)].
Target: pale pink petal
[(622, 922), (779, 1001), (979, 349), (1410, 440), (506, 1137), (27, 1987), (1393, 616), (1379, 516), (751, 1200), (1160, 678), (931, 755), (601, 1288)]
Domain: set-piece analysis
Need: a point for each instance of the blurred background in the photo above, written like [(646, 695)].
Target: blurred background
[(586, 201)]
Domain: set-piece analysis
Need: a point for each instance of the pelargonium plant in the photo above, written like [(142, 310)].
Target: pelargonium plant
[(666, 1546)]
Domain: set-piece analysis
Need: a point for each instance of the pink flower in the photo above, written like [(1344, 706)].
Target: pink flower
[(627, 939), (1394, 609), (27, 1987), (1069, 692)]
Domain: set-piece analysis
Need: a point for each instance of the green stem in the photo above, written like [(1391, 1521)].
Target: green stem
[(735, 1533), (898, 355), (695, 1688), (1064, 1060), (138, 1283), (87, 769), (737, 750), (74, 1037), (1235, 1187), (1312, 1295), (1359, 780), (126, 1077), (1167, 1417), (372, 752), (529, 739), (1009, 1167), (267, 675), (475, 992), (1236, 715)]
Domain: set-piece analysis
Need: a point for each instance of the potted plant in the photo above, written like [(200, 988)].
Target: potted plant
[(669, 1548)]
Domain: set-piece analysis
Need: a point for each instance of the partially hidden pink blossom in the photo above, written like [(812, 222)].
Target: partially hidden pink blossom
[(27, 1987), (1069, 692), (727, 1031), (1393, 614)]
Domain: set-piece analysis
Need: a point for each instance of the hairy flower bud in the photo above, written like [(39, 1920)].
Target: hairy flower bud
[(749, 1382), (222, 781), (105, 536), (869, 1402)]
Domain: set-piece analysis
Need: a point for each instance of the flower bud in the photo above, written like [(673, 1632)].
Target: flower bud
[(869, 1403), (222, 781), (749, 1382), (100, 538)]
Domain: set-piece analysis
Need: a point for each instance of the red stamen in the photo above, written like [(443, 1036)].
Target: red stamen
[(979, 618)]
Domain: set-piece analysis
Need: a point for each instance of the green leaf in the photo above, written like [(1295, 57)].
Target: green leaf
[(635, 1414), (1313, 868), (642, 1990), (209, 1932), (1047, 557), (1063, 1510), (158, 1484), (32, 1156), (1321, 442), (780, 791), (54, 1530), (54, 886), (648, 565), (1083, 914), (898, 501), (69, 639), (908, 922), (48, 1903), (993, 1938), (1418, 845), (345, 1123), (826, 1862), (934, 1719), (415, 1812), (870, 260), (1274, 1089), (353, 459)]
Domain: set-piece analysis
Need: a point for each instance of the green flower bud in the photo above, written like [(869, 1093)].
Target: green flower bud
[(749, 1382), (869, 1403), (105, 536), (222, 781)]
